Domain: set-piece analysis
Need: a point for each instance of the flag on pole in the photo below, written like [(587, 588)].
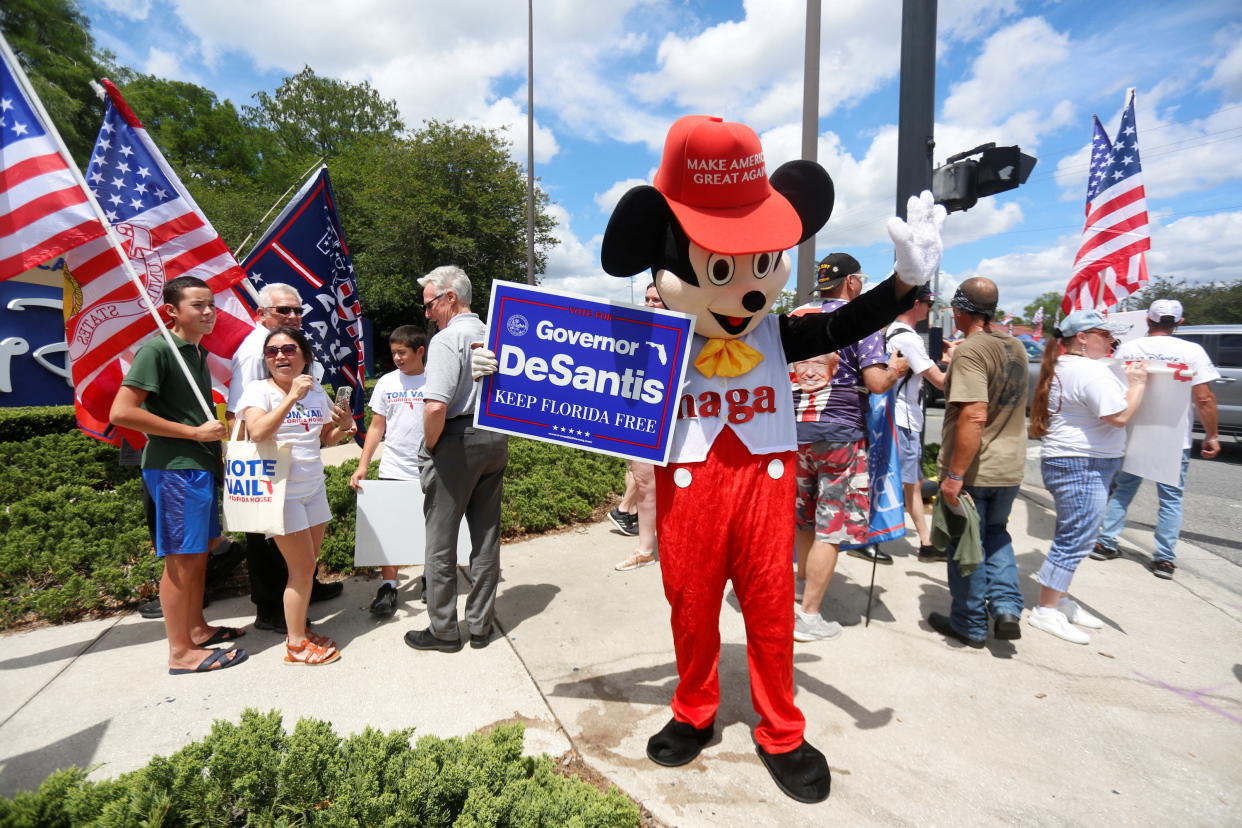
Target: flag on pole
[(1111, 262), (165, 235), (305, 248), (1037, 325), (43, 211)]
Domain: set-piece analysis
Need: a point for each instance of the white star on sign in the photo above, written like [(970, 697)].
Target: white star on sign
[(19, 128), (140, 188), (96, 177), (107, 127), (1119, 174), (1129, 159), (126, 151), (105, 143), (144, 172), (118, 183), (159, 191), (6, 104), (123, 167), (136, 204), (115, 199), (111, 215), (1129, 130)]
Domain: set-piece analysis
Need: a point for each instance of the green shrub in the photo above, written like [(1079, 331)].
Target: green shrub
[(43, 463), (24, 422), (931, 464), (254, 773)]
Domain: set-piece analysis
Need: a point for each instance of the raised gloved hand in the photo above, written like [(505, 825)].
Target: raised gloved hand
[(482, 361), (917, 239)]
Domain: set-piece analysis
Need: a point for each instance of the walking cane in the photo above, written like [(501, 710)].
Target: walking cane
[(875, 548)]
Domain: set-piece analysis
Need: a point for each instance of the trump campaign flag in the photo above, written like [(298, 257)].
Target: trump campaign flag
[(43, 209), (1112, 259), (165, 235), (305, 248)]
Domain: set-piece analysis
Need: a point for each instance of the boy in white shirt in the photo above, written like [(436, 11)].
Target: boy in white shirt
[(397, 419)]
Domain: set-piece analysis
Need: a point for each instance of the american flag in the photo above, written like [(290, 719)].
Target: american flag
[(43, 210), (1112, 262), (166, 236)]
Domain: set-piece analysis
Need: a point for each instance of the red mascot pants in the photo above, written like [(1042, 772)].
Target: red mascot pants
[(732, 522)]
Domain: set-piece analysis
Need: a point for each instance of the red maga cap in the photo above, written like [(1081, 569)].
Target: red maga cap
[(715, 181)]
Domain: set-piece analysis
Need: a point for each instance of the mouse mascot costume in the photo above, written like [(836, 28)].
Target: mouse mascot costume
[(713, 231)]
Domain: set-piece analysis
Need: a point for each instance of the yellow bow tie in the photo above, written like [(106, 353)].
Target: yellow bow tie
[(727, 357)]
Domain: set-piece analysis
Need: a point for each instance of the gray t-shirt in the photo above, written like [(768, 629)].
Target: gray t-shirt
[(448, 364)]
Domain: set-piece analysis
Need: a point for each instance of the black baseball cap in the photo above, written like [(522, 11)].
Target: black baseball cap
[(833, 268)]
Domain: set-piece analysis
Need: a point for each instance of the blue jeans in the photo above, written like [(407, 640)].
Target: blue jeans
[(1168, 513), (1079, 489), (993, 588)]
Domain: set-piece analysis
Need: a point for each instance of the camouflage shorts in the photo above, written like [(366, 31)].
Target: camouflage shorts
[(833, 491)]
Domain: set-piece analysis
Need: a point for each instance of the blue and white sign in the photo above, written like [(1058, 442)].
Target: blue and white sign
[(33, 367), (597, 375)]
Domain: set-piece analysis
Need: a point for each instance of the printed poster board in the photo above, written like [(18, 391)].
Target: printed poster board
[(389, 529), (589, 373)]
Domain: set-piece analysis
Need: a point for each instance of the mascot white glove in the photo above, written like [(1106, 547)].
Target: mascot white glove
[(482, 361), (917, 239)]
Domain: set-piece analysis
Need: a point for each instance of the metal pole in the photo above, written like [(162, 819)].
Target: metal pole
[(530, 141), (916, 118), (810, 139)]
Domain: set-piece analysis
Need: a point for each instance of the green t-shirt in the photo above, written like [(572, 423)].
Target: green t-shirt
[(989, 367), (169, 396)]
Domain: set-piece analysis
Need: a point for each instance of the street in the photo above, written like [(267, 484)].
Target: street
[(1211, 511)]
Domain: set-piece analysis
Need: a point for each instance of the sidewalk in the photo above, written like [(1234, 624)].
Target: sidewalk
[(1141, 726)]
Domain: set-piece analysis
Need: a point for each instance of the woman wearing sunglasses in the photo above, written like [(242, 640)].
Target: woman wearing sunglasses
[(292, 408), (1079, 410)]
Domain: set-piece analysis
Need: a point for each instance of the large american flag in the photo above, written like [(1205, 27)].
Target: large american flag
[(166, 236), (1112, 261), (43, 210)]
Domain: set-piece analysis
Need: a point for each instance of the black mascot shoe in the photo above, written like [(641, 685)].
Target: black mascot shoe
[(325, 591), (802, 773), (677, 743)]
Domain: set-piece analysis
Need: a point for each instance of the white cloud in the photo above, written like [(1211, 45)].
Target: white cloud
[(1227, 73), (608, 199), (131, 9), (164, 64)]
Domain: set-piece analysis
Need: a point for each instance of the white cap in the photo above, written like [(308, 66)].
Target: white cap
[(1165, 307)]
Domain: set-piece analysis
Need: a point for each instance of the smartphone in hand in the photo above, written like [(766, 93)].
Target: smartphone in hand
[(343, 396)]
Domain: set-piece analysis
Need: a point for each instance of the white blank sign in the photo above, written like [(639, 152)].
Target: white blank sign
[(389, 529)]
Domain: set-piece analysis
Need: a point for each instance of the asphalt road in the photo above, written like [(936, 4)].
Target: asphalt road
[(1211, 508)]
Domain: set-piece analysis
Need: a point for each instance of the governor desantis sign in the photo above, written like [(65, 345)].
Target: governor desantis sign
[(597, 375)]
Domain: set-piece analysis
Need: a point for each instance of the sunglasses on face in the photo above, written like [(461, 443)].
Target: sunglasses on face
[(288, 349), (287, 310)]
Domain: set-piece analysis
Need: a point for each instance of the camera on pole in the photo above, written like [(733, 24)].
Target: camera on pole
[(963, 180)]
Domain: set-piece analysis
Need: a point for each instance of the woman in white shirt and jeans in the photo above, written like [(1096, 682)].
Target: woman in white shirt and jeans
[(294, 409), (1079, 409)]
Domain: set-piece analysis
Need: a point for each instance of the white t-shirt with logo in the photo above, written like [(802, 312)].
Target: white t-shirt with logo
[(1170, 349), (300, 428), (908, 413), (1084, 390), (398, 398)]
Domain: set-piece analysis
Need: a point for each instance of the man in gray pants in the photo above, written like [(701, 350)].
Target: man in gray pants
[(462, 471)]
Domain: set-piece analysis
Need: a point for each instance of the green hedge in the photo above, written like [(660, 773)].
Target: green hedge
[(73, 538), (24, 422), (256, 774)]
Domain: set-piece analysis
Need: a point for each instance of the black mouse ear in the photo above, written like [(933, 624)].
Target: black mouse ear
[(809, 189), (634, 238)]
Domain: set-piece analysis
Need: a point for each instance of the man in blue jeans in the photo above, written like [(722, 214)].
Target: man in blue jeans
[(1160, 345), (982, 454)]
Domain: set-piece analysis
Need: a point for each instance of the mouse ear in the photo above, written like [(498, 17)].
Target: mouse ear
[(809, 189), (634, 238)]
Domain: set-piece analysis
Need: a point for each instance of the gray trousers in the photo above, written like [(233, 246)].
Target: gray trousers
[(463, 476)]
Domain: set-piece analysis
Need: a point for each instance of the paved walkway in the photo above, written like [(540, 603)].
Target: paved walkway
[(1142, 726)]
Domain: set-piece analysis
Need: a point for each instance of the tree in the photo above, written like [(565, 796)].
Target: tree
[(53, 42), (1205, 303), (445, 194), (316, 116), (1051, 304)]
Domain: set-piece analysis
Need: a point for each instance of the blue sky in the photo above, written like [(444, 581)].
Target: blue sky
[(611, 75)]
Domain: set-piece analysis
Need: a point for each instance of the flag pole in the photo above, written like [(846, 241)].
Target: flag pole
[(23, 82), (301, 180)]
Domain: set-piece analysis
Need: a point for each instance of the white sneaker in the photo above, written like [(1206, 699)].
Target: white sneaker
[(1052, 621), (813, 627), (1075, 614), (799, 588)]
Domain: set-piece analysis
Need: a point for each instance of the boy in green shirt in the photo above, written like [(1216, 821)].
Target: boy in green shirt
[(180, 467)]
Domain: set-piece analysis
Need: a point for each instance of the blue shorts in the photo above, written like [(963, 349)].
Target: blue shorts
[(187, 509), (910, 450)]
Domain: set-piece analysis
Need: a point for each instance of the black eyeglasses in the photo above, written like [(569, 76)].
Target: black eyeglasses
[(433, 299), (287, 310), (288, 349)]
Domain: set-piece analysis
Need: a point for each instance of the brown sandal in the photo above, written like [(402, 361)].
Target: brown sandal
[(311, 653)]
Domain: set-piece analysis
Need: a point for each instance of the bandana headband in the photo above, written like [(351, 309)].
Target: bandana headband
[(962, 302)]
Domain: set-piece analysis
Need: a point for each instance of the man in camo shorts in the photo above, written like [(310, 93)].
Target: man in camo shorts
[(830, 401)]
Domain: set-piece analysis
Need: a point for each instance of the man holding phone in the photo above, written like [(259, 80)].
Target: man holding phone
[(280, 306)]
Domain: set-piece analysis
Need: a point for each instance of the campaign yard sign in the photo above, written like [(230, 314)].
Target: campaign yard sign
[(589, 373)]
